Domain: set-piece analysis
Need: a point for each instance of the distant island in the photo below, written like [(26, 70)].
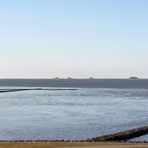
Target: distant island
[(133, 78)]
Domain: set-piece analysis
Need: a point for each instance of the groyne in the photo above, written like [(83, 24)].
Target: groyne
[(121, 136), (14, 90)]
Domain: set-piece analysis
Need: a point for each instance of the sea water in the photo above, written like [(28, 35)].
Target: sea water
[(71, 114)]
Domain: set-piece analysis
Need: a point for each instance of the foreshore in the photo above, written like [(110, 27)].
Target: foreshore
[(119, 140), (46, 144)]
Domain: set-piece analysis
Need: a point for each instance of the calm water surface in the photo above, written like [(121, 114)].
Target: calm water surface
[(71, 114)]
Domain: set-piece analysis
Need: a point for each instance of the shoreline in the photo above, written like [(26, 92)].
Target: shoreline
[(122, 136), (42, 144), (71, 141)]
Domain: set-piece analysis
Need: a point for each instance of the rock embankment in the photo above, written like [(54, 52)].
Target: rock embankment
[(122, 136)]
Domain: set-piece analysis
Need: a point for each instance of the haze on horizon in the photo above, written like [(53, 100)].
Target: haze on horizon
[(76, 38)]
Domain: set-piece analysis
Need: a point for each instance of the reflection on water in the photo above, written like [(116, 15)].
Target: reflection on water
[(71, 114)]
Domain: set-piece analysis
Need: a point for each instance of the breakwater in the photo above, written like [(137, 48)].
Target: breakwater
[(14, 90), (121, 136)]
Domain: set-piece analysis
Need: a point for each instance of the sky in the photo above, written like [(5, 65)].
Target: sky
[(73, 38)]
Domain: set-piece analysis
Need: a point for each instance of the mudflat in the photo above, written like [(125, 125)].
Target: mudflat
[(71, 145)]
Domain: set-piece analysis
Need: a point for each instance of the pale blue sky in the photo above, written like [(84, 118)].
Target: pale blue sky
[(77, 38)]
